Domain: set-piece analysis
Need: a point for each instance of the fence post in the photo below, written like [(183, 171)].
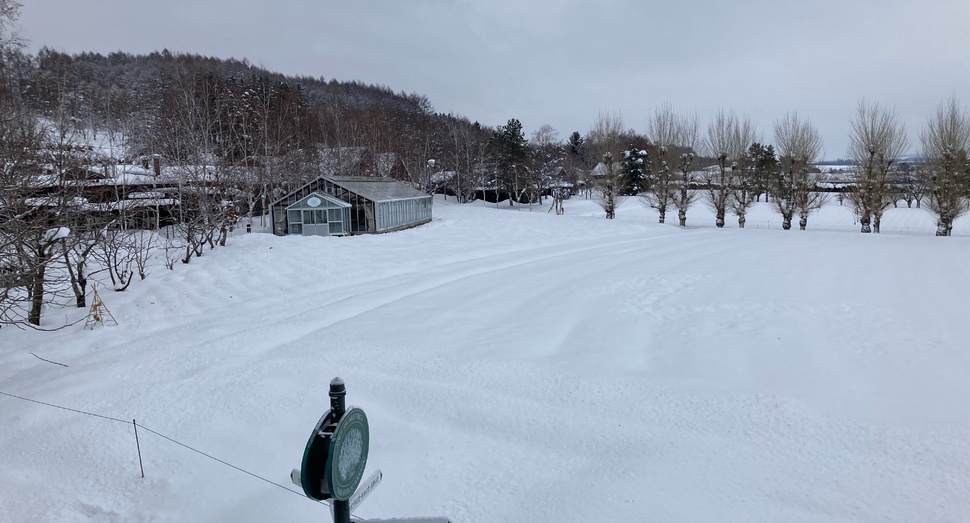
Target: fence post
[(138, 446)]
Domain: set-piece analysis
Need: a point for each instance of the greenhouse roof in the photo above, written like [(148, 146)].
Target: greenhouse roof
[(377, 189)]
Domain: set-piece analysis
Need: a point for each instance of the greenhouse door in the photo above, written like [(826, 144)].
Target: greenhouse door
[(315, 223)]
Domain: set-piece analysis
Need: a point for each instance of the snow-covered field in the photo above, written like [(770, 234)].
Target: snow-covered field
[(519, 366)]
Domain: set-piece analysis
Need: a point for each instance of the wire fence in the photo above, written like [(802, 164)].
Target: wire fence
[(134, 424)]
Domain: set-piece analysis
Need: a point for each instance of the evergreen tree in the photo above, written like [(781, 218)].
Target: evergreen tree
[(509, 154), (576, 146), (765, 167), (636, 167)]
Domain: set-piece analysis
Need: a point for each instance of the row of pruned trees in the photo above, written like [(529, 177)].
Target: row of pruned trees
[(877, 143), (729, 168), (726, 166)]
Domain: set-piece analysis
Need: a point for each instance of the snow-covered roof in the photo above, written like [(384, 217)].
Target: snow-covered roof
[(377, 189), (53, 201), (141, 203), (442, 176)]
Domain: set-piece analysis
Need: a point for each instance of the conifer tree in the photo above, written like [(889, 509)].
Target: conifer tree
[(508, 153), (636, 165)]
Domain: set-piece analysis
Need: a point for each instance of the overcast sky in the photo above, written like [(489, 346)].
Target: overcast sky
[(562, 62)]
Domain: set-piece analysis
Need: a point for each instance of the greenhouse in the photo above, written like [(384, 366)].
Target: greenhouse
[(318, 215), (368, 205)]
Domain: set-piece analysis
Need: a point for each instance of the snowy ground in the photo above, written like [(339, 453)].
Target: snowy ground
[(520, 366)]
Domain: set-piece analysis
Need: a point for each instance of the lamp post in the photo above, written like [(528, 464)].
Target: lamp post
[(429, 186)]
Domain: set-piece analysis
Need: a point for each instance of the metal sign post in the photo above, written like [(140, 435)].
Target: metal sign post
[(338, 406), (336, 454), (335, 458)]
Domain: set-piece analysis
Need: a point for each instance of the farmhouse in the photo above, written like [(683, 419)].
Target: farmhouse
[(332, 205)]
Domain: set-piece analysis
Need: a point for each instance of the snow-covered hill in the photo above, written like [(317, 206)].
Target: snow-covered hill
[(519, 366)]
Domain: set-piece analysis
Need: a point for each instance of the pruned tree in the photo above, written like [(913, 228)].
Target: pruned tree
[(610, 185), (727, 140), (876, 142), (946, 148), (914, 182), (663, 131), (684, 194), (605, 136), (794, 188), (608, 177), (750, 168)]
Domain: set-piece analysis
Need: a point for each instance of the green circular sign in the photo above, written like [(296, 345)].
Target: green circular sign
[(315, 460), (348, 454)]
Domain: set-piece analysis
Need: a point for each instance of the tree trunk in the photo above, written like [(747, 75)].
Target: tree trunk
[(741, 220), (663, 214), (802, 222), (786, 222), (720, 218), (37, 293), (944, 225), (78, 281), (864, 220), (876, 219), (682, 216)]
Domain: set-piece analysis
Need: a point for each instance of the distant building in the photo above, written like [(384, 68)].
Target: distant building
[(332, 205)]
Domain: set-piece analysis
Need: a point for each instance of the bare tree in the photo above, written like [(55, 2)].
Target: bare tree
[(663, 130), (915, 182), (9, 14), (727, 140), (547, 158), (684, 194), (795, 186), (29, 199), (605, 139), (946, 145), (465, 146), (19, 220), (606, 135), (876, 142), (610, 182), (196, 110), (745, 188)]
